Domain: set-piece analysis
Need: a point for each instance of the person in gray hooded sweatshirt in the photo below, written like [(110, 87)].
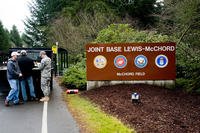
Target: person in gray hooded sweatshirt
[(13, 74)]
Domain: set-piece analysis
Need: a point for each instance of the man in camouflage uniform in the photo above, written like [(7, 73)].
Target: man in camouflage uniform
[(45, 67)]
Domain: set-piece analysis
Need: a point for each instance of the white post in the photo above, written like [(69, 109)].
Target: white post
[(57, 63)]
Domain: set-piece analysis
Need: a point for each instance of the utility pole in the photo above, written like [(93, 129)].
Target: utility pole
[(57, 62)]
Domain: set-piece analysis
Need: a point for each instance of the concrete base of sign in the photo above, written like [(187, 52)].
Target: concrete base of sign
[(162, 83)]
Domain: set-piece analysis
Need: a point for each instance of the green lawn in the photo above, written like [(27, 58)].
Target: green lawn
[(91, 119)]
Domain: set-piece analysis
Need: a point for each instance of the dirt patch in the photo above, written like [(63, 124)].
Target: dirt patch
[(161, 110)]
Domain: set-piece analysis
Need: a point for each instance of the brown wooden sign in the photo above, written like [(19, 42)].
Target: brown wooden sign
[(131, 61)]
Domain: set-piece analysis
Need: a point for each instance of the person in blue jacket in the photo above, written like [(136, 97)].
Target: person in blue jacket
[(13, 75)]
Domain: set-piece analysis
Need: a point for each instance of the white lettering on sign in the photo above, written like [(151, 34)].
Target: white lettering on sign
[(126, 74), (132, 48), (139, 73), (159, 48), (113, 49), (131, 74), (95, 49)]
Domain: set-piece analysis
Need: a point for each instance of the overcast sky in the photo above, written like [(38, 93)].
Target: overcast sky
[(13, 12)]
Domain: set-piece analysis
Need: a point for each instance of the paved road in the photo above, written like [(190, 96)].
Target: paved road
[(30, 117)]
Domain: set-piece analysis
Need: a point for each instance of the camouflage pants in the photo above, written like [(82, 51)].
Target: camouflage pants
[(45, 85)]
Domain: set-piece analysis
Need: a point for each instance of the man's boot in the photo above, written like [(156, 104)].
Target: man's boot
[(44, 99)]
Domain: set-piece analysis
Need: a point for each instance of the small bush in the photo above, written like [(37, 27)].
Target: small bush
[(75, 76), (182, 83), (185, 84)]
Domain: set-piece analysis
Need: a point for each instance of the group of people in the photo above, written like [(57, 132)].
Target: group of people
[(19, 72)]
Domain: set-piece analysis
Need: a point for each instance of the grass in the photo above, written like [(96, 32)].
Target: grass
[(91, 119)]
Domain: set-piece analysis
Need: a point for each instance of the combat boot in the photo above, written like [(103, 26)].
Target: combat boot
[(44, 99)]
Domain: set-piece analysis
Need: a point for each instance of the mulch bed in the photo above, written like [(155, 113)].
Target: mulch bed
[(160, 111)]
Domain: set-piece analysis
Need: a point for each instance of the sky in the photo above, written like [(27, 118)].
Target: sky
[(14, 12)]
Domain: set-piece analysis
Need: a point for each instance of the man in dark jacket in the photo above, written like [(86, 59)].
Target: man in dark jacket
[(26, 65), (13, 74)]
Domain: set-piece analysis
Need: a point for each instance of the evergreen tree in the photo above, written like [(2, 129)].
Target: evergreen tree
[(42, 12), (25, 40), (15, 36), (4, 39)]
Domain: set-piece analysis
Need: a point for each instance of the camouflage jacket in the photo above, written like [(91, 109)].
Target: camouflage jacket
[(45, 67)]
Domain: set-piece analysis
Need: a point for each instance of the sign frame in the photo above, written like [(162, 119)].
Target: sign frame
[(140, 62)]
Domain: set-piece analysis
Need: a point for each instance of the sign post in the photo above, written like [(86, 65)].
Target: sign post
[(57, 60), (55, 51)]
